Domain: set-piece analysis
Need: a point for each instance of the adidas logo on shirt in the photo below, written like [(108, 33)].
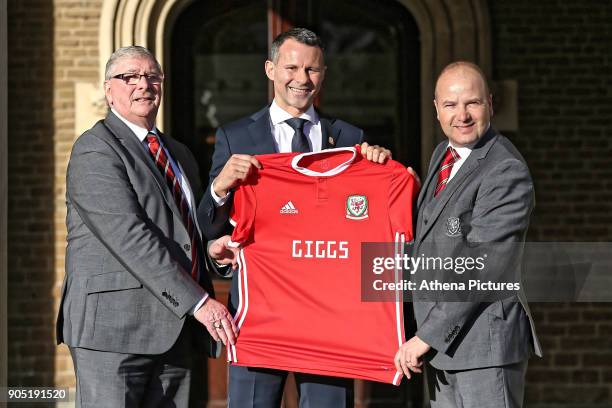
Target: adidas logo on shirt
[(288, 208)]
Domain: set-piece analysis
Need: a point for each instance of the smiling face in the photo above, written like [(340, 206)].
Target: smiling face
[(297, 74), (136, 103), (463, 106)]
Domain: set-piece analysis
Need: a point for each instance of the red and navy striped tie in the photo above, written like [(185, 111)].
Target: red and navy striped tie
[(163, 164)]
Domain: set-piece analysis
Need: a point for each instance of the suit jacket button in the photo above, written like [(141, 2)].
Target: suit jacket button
[(187, 247)]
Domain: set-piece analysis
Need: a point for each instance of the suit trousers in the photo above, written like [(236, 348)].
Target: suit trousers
[(172, 379), (490, 387), (251, 387)]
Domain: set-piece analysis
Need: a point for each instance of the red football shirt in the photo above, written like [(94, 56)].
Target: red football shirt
[(300, 222)]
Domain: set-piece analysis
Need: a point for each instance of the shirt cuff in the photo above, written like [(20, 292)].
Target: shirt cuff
[(199, 305), (219, 201)]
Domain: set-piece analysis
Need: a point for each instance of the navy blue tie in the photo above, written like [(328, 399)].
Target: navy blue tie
[(299, 143)]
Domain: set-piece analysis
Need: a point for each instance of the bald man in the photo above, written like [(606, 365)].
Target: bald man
[(478, 190)]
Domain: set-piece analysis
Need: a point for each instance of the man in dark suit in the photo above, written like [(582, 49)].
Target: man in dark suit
[(291, 123), (137, 304), (478, 190)]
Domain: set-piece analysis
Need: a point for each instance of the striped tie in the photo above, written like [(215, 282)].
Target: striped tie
[(444, 173), (163, 164)]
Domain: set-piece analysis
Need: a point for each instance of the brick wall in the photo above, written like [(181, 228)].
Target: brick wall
[(31, 196), (560, 52), (52, 45), (76, 60)]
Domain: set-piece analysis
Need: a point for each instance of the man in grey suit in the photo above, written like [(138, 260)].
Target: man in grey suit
[(478, 190), (137, 305)]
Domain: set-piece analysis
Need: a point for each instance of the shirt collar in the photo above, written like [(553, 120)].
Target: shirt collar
[(140, 132), (464, 151), (279, 115)]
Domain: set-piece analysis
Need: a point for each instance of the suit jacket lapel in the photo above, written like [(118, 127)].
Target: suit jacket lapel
[(471, 164), (262, 138), (432, 173), (444, 197), (329, 134), (261, 133), (179, 158), (131, 143)]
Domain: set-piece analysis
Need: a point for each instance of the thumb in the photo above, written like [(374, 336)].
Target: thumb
[(415, 175)]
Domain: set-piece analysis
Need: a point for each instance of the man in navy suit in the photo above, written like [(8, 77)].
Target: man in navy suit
[(291, 123)]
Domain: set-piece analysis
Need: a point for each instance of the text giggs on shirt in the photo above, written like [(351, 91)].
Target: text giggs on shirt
[(319, 249)]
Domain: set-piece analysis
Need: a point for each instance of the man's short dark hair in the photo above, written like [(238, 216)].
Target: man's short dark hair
[(301, 35)]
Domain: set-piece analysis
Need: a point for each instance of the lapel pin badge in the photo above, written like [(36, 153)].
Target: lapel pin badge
[(453, 227)]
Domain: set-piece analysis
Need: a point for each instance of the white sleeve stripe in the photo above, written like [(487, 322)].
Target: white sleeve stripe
[(246, 289), (399, 239), (243, 297), (241, 283)]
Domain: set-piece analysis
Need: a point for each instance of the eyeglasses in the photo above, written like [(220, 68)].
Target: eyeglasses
[(133, 79)]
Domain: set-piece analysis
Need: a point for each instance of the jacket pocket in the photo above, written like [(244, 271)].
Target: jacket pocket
[(110, 281)]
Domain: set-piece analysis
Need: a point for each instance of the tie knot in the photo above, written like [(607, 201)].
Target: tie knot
[(296, 123), (151, 137), (451, 156)]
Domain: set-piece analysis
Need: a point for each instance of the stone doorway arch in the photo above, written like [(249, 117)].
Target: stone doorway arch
[(449, 30)]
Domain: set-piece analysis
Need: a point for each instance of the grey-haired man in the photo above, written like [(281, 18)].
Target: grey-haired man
[(138, 307)]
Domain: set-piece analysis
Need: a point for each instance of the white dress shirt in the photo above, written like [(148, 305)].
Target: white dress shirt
[(283, 135), (141, 133), (464, 152)]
